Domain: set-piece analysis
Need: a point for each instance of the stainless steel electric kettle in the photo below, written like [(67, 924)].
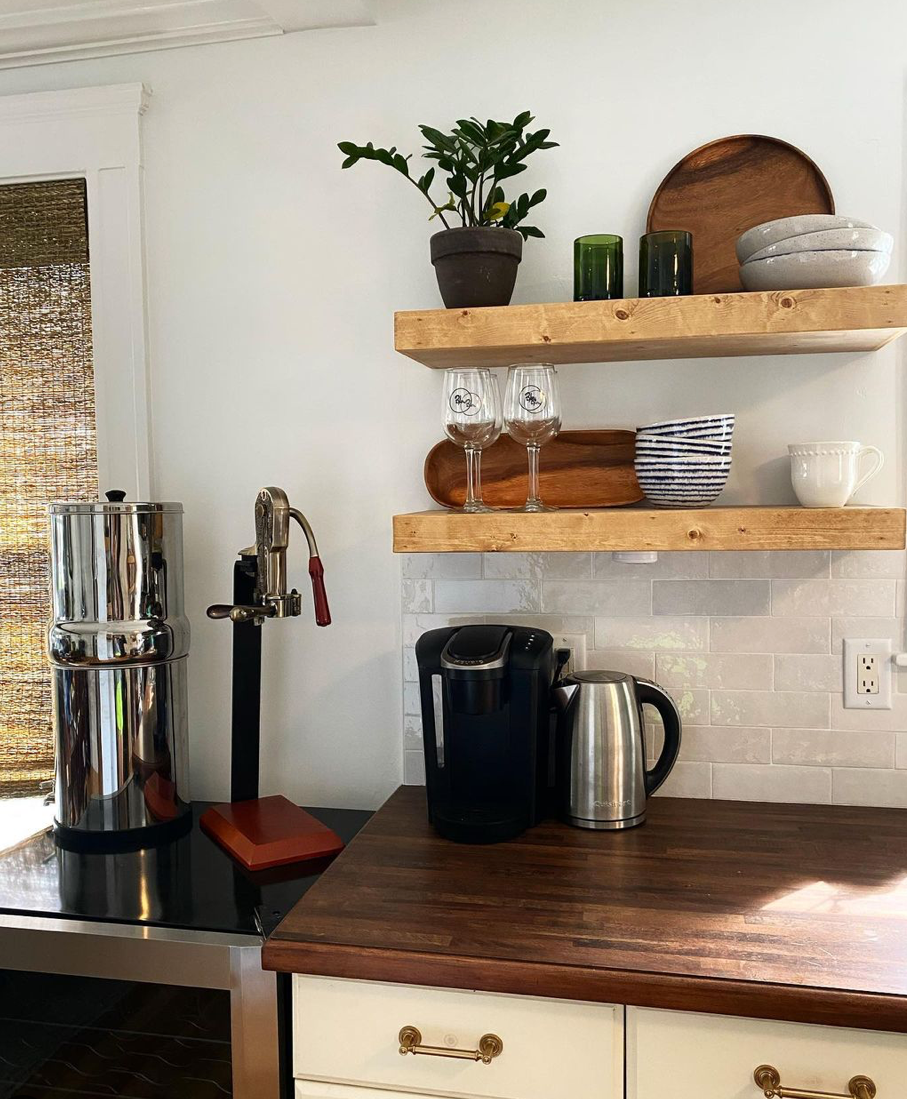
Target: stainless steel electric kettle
[(601, 752)]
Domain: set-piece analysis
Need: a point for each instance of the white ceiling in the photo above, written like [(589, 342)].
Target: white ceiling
[(34, 32)]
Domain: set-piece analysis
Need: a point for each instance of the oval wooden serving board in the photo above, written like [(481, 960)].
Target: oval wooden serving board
[(577, 469), (720, 190)]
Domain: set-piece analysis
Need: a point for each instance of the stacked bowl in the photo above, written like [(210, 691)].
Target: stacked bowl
[(813, 250), (684, 463)]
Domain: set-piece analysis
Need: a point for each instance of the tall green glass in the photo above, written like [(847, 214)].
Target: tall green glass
[(598, 267), (665, 264)]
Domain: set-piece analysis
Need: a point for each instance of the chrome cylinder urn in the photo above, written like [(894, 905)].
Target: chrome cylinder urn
[(118, 646)]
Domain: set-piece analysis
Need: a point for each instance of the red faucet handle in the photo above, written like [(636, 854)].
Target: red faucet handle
[(322, 610)]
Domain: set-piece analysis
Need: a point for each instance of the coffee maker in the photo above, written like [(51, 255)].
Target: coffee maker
[(486, 728)]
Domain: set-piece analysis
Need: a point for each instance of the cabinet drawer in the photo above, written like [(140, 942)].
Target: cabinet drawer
[(347, 1032), (691, 1056), (316, 1089)]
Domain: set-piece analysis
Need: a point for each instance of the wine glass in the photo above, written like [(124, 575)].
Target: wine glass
[(471, 409), (532, 416)]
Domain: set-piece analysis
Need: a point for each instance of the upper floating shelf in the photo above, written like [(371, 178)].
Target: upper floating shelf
[(780, 322)]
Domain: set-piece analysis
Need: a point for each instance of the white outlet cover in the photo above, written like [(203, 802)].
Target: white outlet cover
[(854, 648), (576, 642)]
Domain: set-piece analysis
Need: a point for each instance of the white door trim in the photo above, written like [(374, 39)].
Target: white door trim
[(96, 133)]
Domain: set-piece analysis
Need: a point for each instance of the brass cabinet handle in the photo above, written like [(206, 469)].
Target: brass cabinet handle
[(490, 1046), (768, 1079)]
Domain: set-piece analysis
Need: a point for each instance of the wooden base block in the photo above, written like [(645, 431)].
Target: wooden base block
[(266, 832)]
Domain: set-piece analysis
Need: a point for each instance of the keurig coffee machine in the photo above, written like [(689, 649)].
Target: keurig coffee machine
[(486, 719)]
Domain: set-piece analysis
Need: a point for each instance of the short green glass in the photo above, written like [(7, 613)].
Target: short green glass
[(598, 267), (666, 264)]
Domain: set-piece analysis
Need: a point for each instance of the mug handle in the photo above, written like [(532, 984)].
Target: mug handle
[(880, 461)]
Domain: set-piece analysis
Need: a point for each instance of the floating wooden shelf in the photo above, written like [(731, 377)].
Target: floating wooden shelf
[(715, 528), (781, 322)]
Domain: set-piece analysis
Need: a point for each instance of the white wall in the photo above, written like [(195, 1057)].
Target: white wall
[(273, 278)]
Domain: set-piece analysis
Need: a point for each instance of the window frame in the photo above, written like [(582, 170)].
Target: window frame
[(95, 134)]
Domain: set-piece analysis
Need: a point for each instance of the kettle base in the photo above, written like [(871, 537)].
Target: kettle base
[(606, 825)]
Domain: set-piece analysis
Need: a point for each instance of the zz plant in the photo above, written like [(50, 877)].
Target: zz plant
[(477, 158)]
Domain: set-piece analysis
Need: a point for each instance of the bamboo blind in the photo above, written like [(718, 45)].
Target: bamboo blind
[(47, 445)]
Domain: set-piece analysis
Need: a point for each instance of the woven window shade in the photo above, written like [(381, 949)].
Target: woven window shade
[(47, 446)]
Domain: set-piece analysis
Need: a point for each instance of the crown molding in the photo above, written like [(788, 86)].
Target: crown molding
[(112, 99), (40, 32)]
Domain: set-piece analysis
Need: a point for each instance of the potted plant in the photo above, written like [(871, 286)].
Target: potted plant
[(475, 262)]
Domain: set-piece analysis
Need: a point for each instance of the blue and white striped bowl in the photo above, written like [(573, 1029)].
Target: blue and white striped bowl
[(719, 427), (682, 481), (674, 444)]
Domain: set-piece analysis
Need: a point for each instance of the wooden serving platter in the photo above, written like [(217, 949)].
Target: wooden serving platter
[(577, 469), (721, 189)]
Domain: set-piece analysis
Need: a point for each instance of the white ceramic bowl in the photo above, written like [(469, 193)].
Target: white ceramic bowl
[(810, 270), (719, 427), (769, 232), (854, 240)]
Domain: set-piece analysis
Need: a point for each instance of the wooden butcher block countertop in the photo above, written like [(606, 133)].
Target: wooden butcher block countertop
[(794, 912)]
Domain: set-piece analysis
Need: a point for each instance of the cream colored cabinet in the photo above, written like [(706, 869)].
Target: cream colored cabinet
[(348, 1033), (311, 1089), (682, 1055)]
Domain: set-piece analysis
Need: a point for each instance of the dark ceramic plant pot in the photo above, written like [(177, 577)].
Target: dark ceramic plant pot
[(476, 267)]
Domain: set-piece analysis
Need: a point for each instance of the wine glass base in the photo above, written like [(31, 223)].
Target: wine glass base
[(473, 509), (537, 507)]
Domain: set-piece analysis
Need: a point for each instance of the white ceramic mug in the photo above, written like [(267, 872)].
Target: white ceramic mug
[(826, 475)]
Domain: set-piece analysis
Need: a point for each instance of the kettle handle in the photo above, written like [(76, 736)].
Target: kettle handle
[(650, 692)]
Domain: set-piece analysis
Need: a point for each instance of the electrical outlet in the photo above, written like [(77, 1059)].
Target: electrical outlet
[(867, 673), (576, 643)]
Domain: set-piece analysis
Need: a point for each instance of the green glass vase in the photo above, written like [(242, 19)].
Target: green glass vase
[(665, 264), (598, 267)]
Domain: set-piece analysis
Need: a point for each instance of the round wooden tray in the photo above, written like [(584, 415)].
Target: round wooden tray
[(721, 189)]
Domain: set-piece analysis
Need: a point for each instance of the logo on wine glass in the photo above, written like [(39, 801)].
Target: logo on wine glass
[(464, 402), (532, 399)]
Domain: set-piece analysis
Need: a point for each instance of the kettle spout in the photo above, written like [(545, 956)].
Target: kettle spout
[(563, 694)]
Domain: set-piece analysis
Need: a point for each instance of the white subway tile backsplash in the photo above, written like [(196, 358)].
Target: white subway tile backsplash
[(722, 744), (755, 782), (687, 780), (743, 671), (799, 672), (622, 660), (786, 709), (869, 564), (442, 566), (892, 628), (711, 597), (833, 748), (486, 596), (673, 566), (824, 598), (748, 644), (615, 598), (655, 634), (770, 564), (870, 787), (538, 566), (417, 596), (413, 768), (770, 635)]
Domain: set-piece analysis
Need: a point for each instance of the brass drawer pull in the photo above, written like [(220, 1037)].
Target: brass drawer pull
[(768, 1078), (490, 1046)]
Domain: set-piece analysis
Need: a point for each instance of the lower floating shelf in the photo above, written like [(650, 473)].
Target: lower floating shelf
[(639, 528)]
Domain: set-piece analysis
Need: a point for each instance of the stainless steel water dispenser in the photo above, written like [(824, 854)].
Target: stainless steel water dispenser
[(118, 645)]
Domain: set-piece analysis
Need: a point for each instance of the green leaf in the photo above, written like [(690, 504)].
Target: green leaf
[(399, 162), (522, 120), (426, 180), (530, 231), (458, 185), (350, 161), (348, 147), (538, 197), (439, 140), (471, 132)]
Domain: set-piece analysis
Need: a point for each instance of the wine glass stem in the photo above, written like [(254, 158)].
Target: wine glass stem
[(533, 497), (472, 477), (477, 476)]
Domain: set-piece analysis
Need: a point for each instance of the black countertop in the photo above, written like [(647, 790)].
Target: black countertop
[(189, 883)]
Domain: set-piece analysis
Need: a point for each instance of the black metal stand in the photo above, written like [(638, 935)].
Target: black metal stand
[(246, 714)]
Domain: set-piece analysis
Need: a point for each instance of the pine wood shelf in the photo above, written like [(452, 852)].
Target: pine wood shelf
[(639, 528), (781, 322)]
